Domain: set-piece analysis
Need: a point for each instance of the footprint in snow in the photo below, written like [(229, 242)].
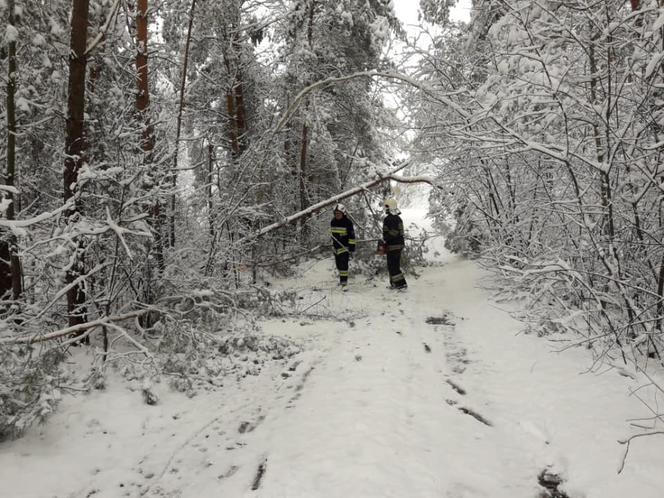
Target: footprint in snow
[(260, 472), (230, 472), (456, 387), (475, 415)]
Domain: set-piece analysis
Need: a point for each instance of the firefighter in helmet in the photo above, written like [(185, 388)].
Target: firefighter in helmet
[(343, 241), (393, 236)]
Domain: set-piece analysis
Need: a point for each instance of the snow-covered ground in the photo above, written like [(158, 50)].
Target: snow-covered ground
[(433, 392)]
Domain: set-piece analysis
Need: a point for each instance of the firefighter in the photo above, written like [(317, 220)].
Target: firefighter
[(393, 236), (343, 241)]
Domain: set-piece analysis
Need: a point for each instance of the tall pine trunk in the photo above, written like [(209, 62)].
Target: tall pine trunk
[(10, 266), (147, 134), (74, 149), (303, 167)]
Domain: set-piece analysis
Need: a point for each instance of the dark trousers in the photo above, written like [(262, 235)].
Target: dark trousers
[(397, 278), (342, 265)]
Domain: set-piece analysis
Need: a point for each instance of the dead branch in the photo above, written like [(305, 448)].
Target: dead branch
[(73, 329), (344, 195), (628, 441), (327, 202), (416, 179)]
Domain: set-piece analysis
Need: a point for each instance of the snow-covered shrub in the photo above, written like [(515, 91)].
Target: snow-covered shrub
[(466, 238), (414, 253), (28, 387)]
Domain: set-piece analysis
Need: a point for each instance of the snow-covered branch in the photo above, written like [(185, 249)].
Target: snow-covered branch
[(75, 329), (416, 179), (327, 202), (17, 224), (100, 36), (436, 95)]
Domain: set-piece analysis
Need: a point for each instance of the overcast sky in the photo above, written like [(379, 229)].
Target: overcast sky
[(406, 10)]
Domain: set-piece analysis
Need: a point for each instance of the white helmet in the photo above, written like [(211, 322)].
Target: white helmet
[(340, 207), (391, 204)]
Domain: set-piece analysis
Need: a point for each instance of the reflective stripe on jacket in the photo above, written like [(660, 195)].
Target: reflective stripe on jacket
[(343, 235)]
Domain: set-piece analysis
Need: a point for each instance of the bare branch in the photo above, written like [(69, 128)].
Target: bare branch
[(73, 329), (628, 441)]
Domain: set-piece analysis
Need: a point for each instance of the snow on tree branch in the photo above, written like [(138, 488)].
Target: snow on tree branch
[(100, 36), (442, 98), (75, 329)]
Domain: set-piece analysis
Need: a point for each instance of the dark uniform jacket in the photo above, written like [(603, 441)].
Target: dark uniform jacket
[(393, 232), (343, 235)]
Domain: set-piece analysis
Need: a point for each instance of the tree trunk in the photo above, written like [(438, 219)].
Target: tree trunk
[(74, 148), (10, 266), (147, 141), (147, 134), (178, 131), (241, 114), (235, 108), (304, 143), (5, 270), (143, 96), (232, 128), (208, 190), (302, 169), (605, 191), (660, 295), (305, 213)]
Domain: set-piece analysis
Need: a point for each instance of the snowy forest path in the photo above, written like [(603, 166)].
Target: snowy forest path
[(433, 392), (383, 412)]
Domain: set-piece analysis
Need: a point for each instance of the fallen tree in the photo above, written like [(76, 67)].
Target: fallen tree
[(391, 176)]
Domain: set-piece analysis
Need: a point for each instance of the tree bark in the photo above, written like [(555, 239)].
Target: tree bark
[(304, 137), (178, 131), (208, 190), (143, 96), (302, 169), (147, 134), (235, 108), (232, 128), (10, 265), (75, 147)]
